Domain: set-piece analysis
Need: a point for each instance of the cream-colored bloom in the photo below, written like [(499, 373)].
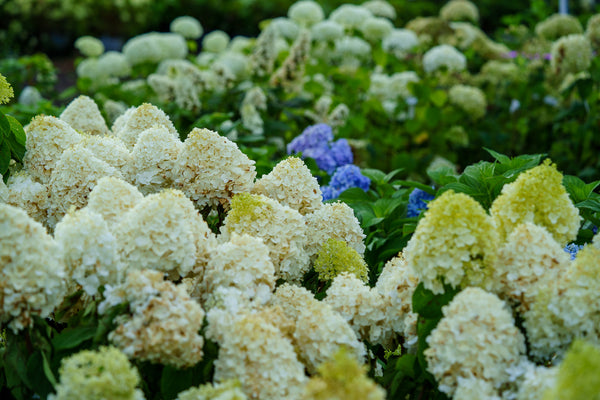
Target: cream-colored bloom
[(152, 165), (281, 228), (399, 42), (362, 307), (455, 244), (211, 169), (326, 31), (529, 259), (89, 250), (470, 99), (306, 13), (33, 197), (256, 353), (130, 125), (460, 10), (109, 149), (215, 41), (336, 221), (3, 191), (291, 184), (473, 388), (444, 56), (32, 270), (89, 46), (47, 138), (476, 338), (188, 27), (112, 198), (97, 375), (558, 25), (396, 284), (154, 47), (350, 16), (264, 53), (163, 321), (243, 262), (375, 29), (571, 54), (537, 196), (164, 232), (180, 81), (536, 381), (380, 8), (72, 180)]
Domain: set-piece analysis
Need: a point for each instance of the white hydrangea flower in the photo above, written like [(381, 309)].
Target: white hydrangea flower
[(47, 138), (228, 390), (291, 184), (285, 27), (30, 96), (571, 54), (254, 100), (97, 375), (186, 26), (240, 44), (566, 308), (399, 42), (24, 192), (84, 115), (337, 221), (136, 120), (211, 169), (444, 56), (89, 46), (476, 338), (306, 13), (238, 65), (528, 260), (109, 149), (326, 31), (264, 52), (282, 229), (376, 28), (361, 306), (152, 165), (32, 271), (256, 353), (351, 50), (104, 70), (536, 381), (473, 388), (3, 191), (459, 10), (89, 250), (112, 198), (380, 8), (244, 263), (154, 47), (114, 109), (470, 99), (72, 180), (319, 331), (215, 41), (454, 244), (163, 321), (350, 16), (179, 81), (396, 284), (164, 232)]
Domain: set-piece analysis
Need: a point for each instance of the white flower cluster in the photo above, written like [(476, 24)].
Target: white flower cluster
[(163, 323), (400, 42), (452, 352), (33, 271), (179, 81), (188, 27), (154, 47), (444, 56)]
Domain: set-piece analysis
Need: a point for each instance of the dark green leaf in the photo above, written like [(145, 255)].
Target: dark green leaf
[(17, 130), (73, 337), (4, 126), (429, 305), (578, 190), (4, 155)]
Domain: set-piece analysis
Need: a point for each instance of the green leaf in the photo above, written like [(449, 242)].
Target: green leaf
[(4, 126), (4, 155), (578, 190), (17, 130), (429, 305), (48, 370), (354, 195), (433, 115), (73, 337), (374, 174), (590, 204), (174, 381), (443, 175), (439, 98)]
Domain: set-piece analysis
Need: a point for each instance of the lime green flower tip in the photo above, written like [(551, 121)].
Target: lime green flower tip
[(6, 91), (578, 374), (246, 208), (342, 377), (336, 257)]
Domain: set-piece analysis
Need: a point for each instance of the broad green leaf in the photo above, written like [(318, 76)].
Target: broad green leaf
[(73, 337), (17, 130), (578, 190), (4, 155), (429, 305), (443, 175), (354, 195), (374, 174), (4, 126)]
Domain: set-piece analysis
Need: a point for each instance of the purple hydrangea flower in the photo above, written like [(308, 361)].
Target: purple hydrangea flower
[(573, 249), (323, 158), (345, 177), (417, 202), (341, 152)]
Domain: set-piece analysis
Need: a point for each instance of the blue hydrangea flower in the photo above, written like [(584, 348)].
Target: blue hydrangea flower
[(316, 142), (348, 176), (315, 136), (341, 152), (329, 193), (573, 249), (417, 202)]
